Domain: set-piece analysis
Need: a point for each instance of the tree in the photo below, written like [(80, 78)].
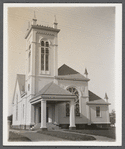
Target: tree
[(10, 119), (112, 116)]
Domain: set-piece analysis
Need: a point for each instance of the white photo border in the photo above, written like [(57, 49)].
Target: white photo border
[(118, 76)]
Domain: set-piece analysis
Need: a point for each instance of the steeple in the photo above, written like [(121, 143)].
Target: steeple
[(106, 97), (86, 73), (34, 20), (55, 23)]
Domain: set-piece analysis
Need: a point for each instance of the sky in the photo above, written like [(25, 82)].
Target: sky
[(86, 40)]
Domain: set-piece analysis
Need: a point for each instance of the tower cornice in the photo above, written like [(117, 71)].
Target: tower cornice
[(45, 33), (42, 28)]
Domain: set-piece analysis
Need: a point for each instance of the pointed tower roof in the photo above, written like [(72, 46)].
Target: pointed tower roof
[(34, 25), (86, 72), (34, 17), (106, 96), (55, 21)]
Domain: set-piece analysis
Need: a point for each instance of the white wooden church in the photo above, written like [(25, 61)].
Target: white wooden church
[(47, 94)]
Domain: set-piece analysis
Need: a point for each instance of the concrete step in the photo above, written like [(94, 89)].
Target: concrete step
[(37, 126), (49, 126)]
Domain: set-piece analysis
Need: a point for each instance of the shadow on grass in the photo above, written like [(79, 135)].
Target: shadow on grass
[(15, 137), (110, 132), (68, 136)]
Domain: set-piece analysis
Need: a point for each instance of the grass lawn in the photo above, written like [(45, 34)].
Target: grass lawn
[(17, 137), (68, 136), (110, 133)]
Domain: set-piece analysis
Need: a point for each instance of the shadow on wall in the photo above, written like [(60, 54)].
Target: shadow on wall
[(86, 126)]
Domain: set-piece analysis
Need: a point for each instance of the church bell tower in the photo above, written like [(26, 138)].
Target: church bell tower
[(41, 55)]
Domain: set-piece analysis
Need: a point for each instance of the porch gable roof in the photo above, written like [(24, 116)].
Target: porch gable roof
[(53, 89), (53, 92)]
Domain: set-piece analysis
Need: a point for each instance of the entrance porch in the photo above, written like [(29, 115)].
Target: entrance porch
[(46, 102), (51, 112), (46, 111)]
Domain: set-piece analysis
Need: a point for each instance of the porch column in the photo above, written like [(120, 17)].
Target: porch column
[(56, 114), (50, 114), (43, 115), (32, 115), (108, 120), (72, 116), (53, 113), (37, 115)]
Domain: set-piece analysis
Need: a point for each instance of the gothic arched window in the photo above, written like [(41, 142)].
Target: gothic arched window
[(44, 55), (42, 43), (74, 92)]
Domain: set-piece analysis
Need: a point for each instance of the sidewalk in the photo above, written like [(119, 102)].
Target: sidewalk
[(34, 136), (98, 138)]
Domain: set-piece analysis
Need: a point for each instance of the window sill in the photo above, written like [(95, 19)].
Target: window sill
[(75, 116), (44, 73), (98, 117)]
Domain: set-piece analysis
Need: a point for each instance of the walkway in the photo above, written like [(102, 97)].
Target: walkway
[(34, 136), (98, 138)]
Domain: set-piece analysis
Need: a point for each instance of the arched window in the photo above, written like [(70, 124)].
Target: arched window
[(42, 43), (47, 44), (74, 92), (44, 55)]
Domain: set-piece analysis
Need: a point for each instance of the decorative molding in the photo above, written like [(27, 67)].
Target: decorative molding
[(67, 78), (58, 98), (45, 33)]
